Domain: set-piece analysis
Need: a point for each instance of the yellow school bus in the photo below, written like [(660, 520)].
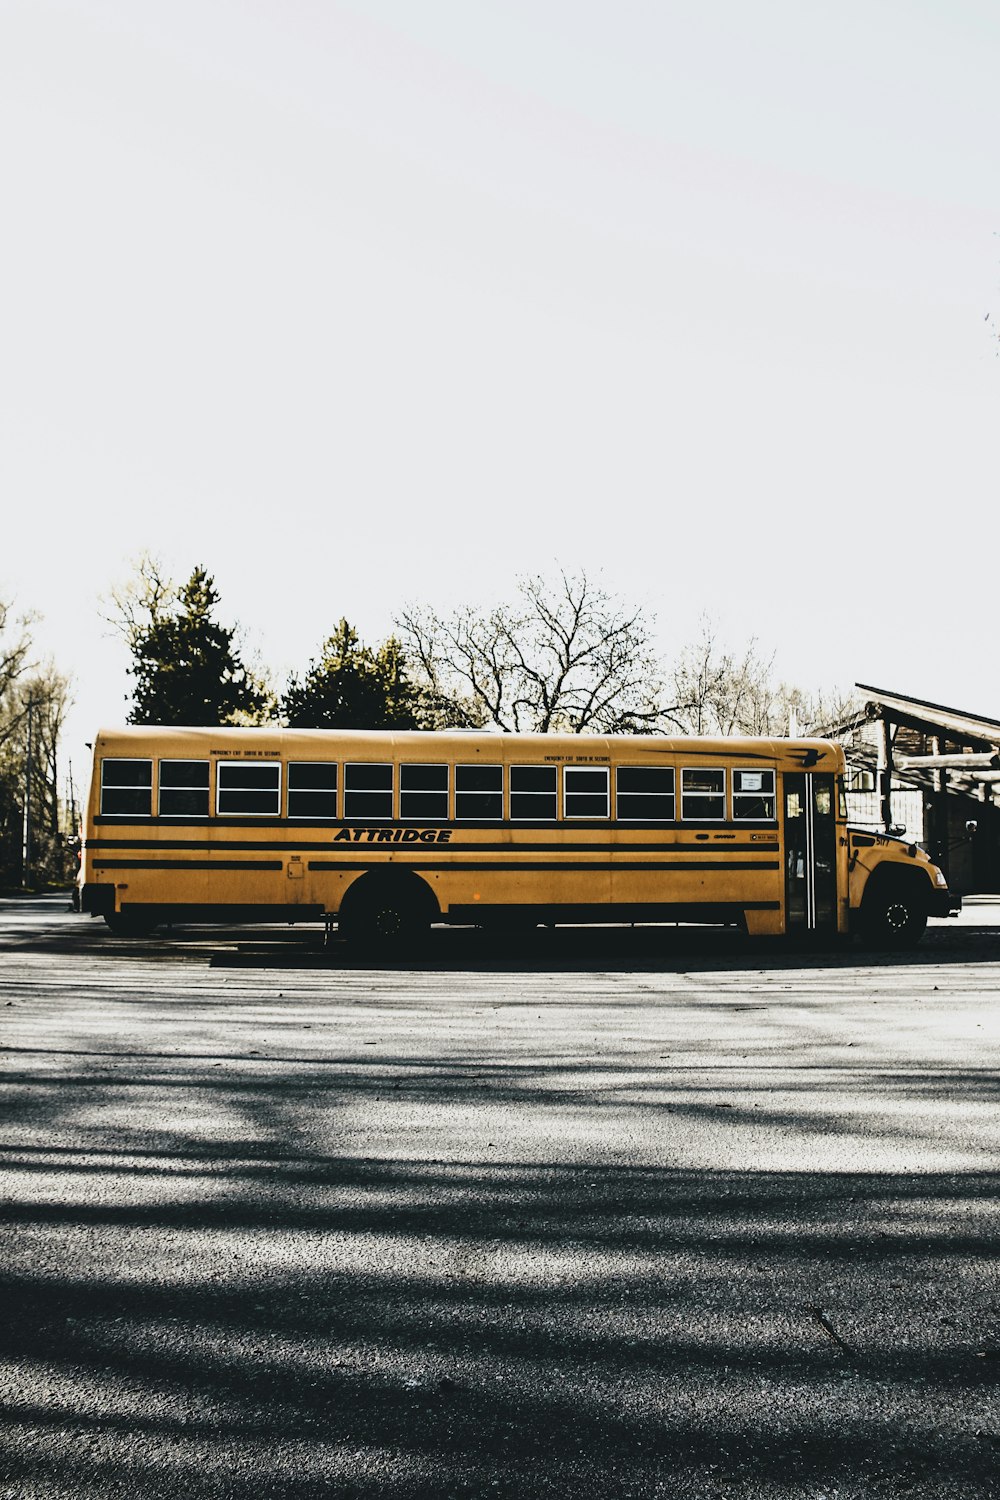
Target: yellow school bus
[(387, 833)]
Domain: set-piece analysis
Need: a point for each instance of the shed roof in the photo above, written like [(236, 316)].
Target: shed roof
[(931, 718)]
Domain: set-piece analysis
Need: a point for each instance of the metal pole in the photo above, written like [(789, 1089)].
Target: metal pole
[(73, 846)]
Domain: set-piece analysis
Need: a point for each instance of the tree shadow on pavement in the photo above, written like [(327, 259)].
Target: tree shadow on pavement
[(204, 1301)]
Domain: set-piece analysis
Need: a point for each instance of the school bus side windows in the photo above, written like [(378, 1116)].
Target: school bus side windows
[(423, 793), (586, 792), (753, 795), (478, 794), (127, 788), (183, 789), (249, 788), (645, 794), (703, 794), (368, 791), (533, 794), (312, 789)]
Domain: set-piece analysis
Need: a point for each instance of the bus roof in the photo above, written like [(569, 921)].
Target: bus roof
[(451, 744)]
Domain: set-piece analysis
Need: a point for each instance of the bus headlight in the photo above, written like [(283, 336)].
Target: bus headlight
[(939, 877)]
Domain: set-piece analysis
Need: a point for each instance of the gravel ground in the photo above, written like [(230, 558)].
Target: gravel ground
[(613, 1213)]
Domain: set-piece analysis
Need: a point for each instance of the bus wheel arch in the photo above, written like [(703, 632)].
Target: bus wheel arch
[(894, 908), (387, 909)]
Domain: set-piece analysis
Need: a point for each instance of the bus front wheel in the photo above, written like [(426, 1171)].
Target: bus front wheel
[(894, 915)]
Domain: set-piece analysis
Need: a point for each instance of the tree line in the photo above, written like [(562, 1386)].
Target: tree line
[(36, 813), (562, 654)]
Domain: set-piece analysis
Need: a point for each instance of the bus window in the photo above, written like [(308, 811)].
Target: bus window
[(250, 787), (479, 793), (753, 795), (312, 789), (368, 791), (533, 794), (127, 788), (423, 793), (585, 792), (703, 795), (645, 794), (183, 789)]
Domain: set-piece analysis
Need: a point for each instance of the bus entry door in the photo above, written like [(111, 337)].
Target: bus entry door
[(810, 852)]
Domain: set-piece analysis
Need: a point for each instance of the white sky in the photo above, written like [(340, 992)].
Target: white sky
[(361, 303)]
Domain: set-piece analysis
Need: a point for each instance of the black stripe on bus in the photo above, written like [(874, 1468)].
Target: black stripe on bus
[(564, 825), (459, 864), (316, 845), (188, 864), (516, 866)]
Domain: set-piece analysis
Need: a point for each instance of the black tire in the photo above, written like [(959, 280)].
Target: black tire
[(384, 917), (894, 915)]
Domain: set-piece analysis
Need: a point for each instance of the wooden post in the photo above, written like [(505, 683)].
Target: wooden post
[(885, 769), (942, 832)]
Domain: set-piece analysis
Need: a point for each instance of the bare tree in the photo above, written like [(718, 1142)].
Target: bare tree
[(41, 698), (565, 656), (826, 711), (48, 691), (721, 691), (130, 608), (15, 646)]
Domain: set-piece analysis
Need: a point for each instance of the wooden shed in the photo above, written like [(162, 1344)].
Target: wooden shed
[(952, 758)]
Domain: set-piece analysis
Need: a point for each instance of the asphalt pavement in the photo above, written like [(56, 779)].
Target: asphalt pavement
[(616, 1212)]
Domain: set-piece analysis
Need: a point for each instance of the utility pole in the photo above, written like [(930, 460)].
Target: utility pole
[(72, 847), (26, 846)]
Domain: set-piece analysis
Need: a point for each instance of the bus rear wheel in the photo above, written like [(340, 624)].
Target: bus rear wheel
[(384, 916)]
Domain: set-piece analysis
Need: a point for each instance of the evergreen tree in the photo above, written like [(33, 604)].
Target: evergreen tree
[(350, 686), (186, 667)]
